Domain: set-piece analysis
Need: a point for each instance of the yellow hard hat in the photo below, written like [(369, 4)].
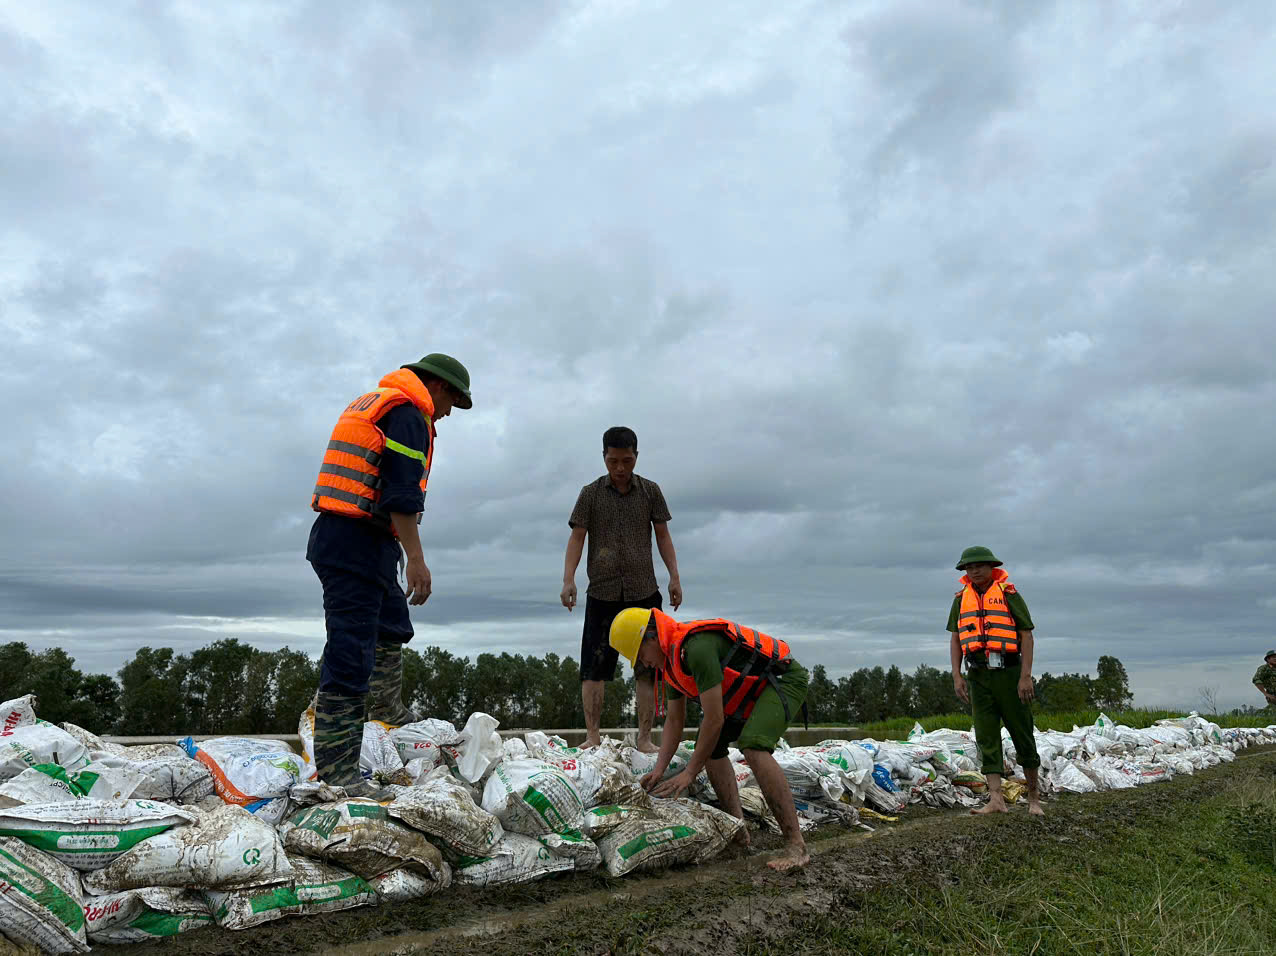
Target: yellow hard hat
[(627, 629)]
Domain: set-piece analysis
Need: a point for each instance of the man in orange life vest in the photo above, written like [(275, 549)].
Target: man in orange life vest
[(370, 494), (749, 688), (991, 629)]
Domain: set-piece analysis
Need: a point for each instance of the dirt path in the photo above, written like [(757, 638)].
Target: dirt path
[(730, 906)]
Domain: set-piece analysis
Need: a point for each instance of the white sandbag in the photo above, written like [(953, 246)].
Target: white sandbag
[(49, 783), (443, 807), (150, 913), (403, 884), (1066, 776), (585, 771), (246, 771), (423, 740), (315, 887), (226, 847), (41, 902), (94, 744), (577, 847), (89, 834), (533, 798), (27, 745), (15, 713), (810, 775), (673, 831), (518, 859), (361, 836)]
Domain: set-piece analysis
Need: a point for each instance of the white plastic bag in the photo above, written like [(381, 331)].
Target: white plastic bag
[(481, 750), (227, 846), (89, 834), (533, 798), (41, 902), (424, 739), (1065, 776), (362, 837), (810, 775), (150, 913), (314, 888)]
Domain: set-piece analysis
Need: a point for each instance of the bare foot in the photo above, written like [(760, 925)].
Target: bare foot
[(792, 857), (742, 838), (590, 743), (992, 806), (646, 747), (1034, 807)]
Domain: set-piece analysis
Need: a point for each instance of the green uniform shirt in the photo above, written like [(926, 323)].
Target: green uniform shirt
[(1265, 677)]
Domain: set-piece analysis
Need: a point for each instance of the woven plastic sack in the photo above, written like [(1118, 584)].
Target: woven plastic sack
[(671, 832), (247, 772), (28, 745), (362, 837), (533, 798), (314, 888), (15, 713), (518, 859), (443, 807), (401, 885), (41, 902), (150, 913), (49, 783), (89, 834)]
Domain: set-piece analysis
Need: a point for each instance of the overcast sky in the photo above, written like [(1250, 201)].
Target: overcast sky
[(872, 282)]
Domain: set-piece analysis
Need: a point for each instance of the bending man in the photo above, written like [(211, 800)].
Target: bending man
[(749, 687)]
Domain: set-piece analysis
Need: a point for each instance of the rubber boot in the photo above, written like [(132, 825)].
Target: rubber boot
[(386, 687), (338, 740)]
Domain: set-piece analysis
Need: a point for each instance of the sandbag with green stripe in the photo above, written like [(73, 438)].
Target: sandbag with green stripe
[(148, 913), (315, 888), (89, 834), (41, 902)]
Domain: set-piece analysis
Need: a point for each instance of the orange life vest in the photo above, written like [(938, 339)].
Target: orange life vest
[(985, 622), (755, 662), (350, 478)]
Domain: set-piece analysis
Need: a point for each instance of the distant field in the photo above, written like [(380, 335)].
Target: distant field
[(898, 727)]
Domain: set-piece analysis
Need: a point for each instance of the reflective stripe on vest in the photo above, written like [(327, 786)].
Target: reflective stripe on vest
[(985, 622), (349, 481)]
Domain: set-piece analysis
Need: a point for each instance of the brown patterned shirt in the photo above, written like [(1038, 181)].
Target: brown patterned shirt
[(618, 530)]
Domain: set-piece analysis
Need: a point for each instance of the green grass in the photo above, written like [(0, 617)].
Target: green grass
[(1185, 878), (897, 728)]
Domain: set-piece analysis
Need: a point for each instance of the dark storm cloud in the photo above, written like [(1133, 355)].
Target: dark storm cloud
[(871, 285)]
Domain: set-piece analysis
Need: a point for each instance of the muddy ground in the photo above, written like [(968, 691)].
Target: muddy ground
[(733, 905)]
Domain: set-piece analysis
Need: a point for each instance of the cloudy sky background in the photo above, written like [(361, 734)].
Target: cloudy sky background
[(872, 282)]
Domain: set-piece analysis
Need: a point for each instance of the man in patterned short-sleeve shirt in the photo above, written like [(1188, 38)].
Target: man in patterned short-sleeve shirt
[(617, 513)]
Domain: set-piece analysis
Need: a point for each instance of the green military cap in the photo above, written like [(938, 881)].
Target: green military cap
[(448, 369), (977, 555)]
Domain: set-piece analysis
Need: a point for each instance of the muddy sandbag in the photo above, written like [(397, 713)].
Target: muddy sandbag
[(443, 807), (600, 821), (361, 836), (49, 783), (89, 834), (809, 775), (94, 744), (671, 832), (30, 744), (315, 887), (154, 751), (247, 772), (401, 885), (137, 915), (533, 798), (41, 902), (226, 847), (174, 778), (518, 859)]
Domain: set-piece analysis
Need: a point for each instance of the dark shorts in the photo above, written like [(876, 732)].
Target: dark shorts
[(597, 657), (358, 611), (767, 723)]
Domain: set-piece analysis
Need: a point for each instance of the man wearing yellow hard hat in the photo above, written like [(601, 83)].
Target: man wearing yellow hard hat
[(749, 688)]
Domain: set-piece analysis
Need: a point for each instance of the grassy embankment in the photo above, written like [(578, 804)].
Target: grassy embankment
[(1194, 876), (897, 728)]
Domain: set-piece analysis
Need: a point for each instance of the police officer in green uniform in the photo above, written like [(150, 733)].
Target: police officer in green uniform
[(1265, 678), (991, 631)]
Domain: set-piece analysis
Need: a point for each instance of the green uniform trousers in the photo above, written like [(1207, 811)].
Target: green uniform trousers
[(994, 700)]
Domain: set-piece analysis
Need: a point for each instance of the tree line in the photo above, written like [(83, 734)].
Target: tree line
[(229, 687)]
